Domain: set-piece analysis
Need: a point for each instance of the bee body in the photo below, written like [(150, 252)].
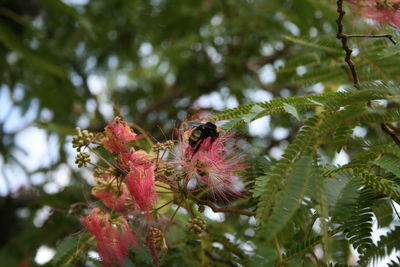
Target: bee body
[(201, 132)]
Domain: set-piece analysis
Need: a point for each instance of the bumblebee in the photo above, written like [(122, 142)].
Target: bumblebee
[(201, 132)]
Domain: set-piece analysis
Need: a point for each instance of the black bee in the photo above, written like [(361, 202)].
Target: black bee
[(201, 132)]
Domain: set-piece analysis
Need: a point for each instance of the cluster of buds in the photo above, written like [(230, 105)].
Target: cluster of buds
[(165, 170), (162, 146), (196, 225), (129, 186), (82, 139), (82, 159)]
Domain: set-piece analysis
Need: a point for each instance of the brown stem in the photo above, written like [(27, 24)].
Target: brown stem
[(216, 209), (344, 39), (387, 130), (389, 36)]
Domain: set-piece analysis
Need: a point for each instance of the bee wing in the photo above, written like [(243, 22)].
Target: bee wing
[(192, 124)]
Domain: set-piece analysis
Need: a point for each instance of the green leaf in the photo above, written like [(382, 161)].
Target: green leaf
[(342, 193), (317, 43), (280, 171), (291, 199), (291, 110), (67, 248), (389, 163), (386, 245), (254, 111)]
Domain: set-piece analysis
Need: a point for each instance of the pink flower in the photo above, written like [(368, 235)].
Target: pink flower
[(141, 186), (118, 133), (386, 11), (130, 160), (112, 245), (216, 163), (113, 199)]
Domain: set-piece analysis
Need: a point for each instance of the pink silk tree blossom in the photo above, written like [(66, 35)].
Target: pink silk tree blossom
[(113, 199), (141, 186), (386, 11), (118, 133), (112, 244), (133, 159), (215, 163)]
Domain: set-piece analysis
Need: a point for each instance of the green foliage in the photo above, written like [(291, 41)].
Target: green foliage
[(358, 227), (386, 245), (65, 63), (277, 177), (381, 185), (67, 250), (329, 101), (290, 198)]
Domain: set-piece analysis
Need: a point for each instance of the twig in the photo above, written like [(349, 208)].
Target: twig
[(173, 216), (278, 251), (389, 36), (387, 130), (216, 209), (344, 39), (162, 206)]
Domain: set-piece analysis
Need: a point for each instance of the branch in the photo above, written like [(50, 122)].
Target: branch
[(344, 39), (387, 130), (389, 36), (216, 209)]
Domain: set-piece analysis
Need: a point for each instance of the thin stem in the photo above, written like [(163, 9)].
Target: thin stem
[(172, 189), (101, 157), (344, 39), (166, 204), (389, 36), (278, 251), (387, 130), (173, 216), (189, 209), (97, 165), (141, 130), (216, 209)]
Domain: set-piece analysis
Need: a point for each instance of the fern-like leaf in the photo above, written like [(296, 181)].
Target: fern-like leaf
[(280, 171), (386, 245), (331, 101), (291, 198), (309, 244), (389, 163), (358, 227), (380, 184), (66, 250)]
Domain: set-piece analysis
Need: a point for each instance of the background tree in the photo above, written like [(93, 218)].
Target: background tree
[(67, 63)]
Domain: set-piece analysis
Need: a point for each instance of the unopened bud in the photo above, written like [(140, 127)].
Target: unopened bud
[(83, 138), (196, 225), (82, 159)]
